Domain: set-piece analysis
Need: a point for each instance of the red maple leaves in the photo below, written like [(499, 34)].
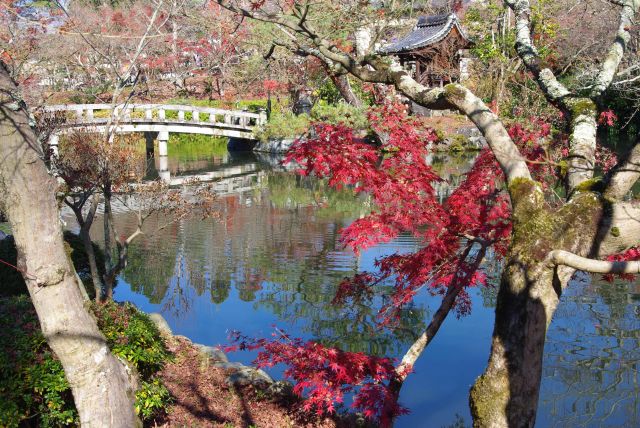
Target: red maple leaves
[(396, 175), (325, 375)]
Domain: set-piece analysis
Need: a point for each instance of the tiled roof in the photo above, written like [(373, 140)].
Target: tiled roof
[(429, 30)]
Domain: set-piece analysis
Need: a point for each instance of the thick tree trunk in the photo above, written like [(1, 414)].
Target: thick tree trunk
[(506, 395), (100, 383)]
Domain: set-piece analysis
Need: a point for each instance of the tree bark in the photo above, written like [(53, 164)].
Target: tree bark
[(506, 395), (100, 383), (345, 89)]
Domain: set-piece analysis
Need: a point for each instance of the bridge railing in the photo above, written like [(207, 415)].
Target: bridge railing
[(159, 113)]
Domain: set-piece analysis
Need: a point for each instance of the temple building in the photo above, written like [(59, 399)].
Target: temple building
[(434, 51)]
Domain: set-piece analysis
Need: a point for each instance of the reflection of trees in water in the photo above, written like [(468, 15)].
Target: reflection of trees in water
[(591, 360), (278, 246), (451, 169)]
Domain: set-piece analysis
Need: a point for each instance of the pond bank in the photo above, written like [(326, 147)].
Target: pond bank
[(210, 391)]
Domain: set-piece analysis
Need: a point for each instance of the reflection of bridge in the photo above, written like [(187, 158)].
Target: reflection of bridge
[(157, 120), (227, 180)]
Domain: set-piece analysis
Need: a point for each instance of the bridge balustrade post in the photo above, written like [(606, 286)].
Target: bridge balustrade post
[(163, 169), (212, 117), (180, 114), (195, 116), (161, 114), (79, 114), (127, 114), (89, 114), (228, 119), (148, 114)]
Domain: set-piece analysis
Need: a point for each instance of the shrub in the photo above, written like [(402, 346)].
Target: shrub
[(285, 125), (32, 382), (341, 114), (288, 125), (133, 336), (33, 388)]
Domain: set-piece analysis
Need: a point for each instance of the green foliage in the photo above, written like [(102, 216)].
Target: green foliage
[(341, 113), (285, 125), (133, 336), (32, 382), (459, 143), (152, 398), (288, 125), (33, 388), (190, 147), (328, 93)]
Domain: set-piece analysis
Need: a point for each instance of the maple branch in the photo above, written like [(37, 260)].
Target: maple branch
[(416, 349), (566, 258)]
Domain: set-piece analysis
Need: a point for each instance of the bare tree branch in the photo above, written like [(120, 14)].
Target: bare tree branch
[(553, 90), (375, 70), (561, 257), (617, 50)]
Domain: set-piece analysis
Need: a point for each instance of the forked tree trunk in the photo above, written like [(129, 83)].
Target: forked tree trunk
[(93, 264), (101, 387), (87, 243), (506, 395)]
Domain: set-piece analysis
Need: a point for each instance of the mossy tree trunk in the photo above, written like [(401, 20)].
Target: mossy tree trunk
[(506, 395), (99, 382)]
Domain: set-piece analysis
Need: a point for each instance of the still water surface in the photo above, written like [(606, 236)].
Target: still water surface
[(274, 259)]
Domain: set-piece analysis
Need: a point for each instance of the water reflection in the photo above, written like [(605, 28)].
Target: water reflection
[(275, 257), (591, 360)]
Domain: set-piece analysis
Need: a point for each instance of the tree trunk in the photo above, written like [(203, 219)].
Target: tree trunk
[(109, 237), (345, 89), (85, 227), (93, 265), (100, 383), (506, 395)]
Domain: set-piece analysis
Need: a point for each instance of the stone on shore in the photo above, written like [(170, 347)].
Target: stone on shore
[(161, 323)]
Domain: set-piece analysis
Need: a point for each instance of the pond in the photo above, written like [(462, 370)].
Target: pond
[(274, 259)]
